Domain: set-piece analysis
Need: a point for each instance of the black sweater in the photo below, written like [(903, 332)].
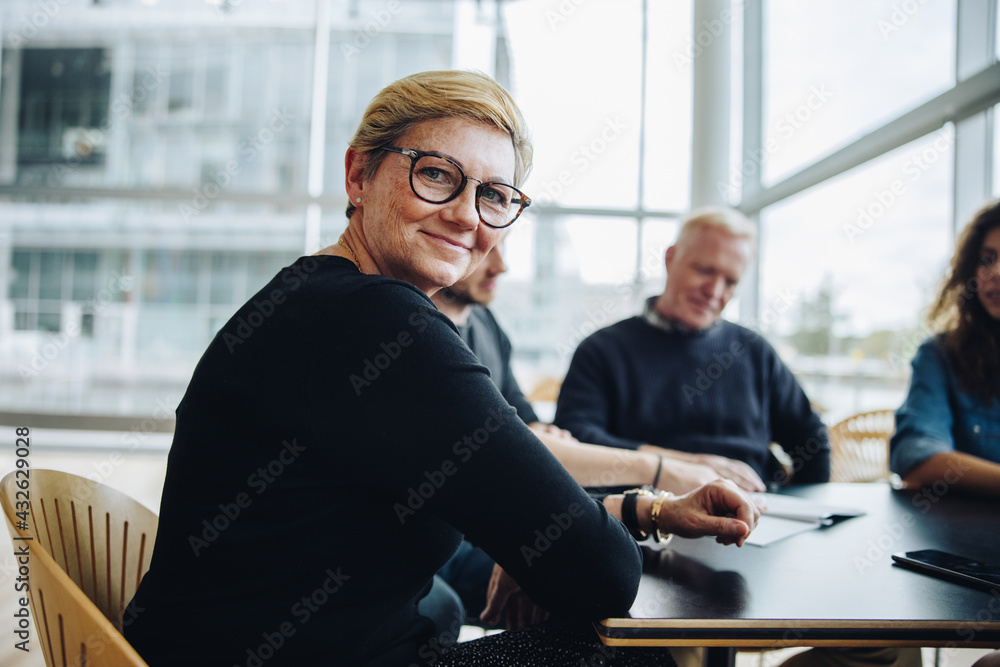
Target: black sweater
[(483, 335), (721, 390), (335, 441)]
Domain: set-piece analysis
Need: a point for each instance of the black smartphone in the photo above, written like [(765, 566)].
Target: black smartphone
[(952, 567)]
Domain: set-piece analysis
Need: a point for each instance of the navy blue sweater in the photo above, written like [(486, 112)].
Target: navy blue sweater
[(483, 335), (721, 390)]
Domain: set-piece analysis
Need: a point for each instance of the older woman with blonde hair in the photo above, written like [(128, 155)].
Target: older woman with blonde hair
[(948, 429), (338, 438)]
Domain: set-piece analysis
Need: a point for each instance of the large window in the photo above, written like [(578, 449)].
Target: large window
[(596, 148), (848, 267), (857, 224), (64, 100), (194, 122), (169, 151), (835, 71)]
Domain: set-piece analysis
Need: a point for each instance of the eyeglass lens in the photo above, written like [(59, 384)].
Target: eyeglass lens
[(437, 180)]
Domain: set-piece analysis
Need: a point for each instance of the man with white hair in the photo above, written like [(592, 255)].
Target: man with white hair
[(682, 382)]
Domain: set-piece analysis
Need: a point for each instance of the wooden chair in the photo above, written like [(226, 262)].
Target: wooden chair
[(547, 390), (88, 547), (860, 447)]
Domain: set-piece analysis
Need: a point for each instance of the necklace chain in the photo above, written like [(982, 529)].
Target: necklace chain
[(342, 242)]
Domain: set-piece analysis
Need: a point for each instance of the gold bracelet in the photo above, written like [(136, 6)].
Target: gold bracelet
[(655, 516)]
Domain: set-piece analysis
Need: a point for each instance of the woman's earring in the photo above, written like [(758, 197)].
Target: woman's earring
[(357, 200)]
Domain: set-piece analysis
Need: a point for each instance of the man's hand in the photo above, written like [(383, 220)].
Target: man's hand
[(719, 508), (552, 430), (679, 476), (504, 595), (738, 471)]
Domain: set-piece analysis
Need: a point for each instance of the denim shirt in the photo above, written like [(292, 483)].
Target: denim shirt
[(939, 417)]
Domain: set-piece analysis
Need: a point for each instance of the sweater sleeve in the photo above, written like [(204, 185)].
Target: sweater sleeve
[(435, 428), (924, 421), (796, 426), (587, 398)]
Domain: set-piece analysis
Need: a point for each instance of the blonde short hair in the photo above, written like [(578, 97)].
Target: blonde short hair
[(718, 217), (439, 94)]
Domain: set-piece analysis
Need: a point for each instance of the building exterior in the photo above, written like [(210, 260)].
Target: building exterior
[(164, 160)]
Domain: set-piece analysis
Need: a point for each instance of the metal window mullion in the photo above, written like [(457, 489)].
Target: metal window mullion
[(963, 100), (317, 126), (973, 154), (712, 114), (753, 130), (641, 194)]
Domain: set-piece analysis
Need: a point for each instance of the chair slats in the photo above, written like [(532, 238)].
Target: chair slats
[(77, 549), (45, 622), (62, 640), (139, 570), (123, 580), (90, 583), (92, 551), (45, 522), (860, 447), (106, 581), (59, 550)]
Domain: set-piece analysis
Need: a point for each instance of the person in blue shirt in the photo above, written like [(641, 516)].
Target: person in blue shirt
[(948, 428)]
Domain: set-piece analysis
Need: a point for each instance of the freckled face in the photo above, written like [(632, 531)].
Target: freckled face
[(435, 245), (988, 273)]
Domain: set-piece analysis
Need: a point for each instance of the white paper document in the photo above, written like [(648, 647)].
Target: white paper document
[(784, 516)]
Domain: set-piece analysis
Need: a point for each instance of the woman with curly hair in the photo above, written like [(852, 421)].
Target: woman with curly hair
[(949, 426)]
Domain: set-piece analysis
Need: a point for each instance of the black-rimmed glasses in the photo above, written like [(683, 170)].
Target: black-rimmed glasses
[(438, 179)]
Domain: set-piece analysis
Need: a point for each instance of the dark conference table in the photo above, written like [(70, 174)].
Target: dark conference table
[(836, 586)]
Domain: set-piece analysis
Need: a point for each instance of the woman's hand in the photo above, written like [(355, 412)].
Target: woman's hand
[(504, 595), (718, 508)]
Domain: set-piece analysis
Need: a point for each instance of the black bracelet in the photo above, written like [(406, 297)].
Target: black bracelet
[(629, 516), (659, 467)]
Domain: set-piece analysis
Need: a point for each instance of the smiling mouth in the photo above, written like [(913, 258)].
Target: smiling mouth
[(445, 241), (700, 305)]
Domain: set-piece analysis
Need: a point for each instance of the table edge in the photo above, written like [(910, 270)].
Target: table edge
[(796, 632)]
